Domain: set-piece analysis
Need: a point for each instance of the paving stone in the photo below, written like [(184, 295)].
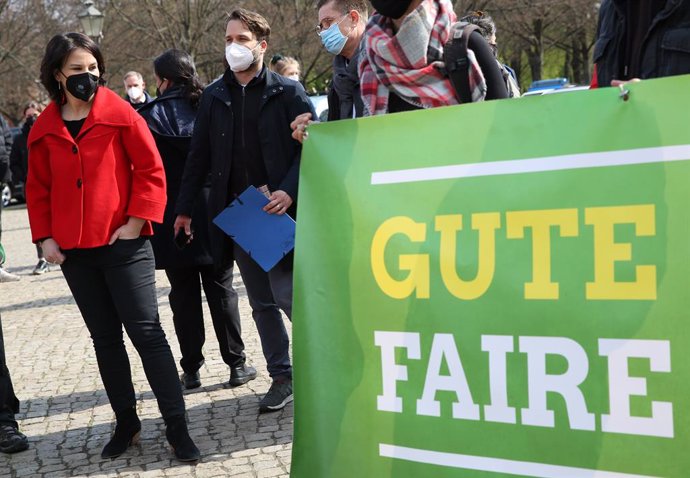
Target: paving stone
[(65, 411), (270, 473), (265, 464)]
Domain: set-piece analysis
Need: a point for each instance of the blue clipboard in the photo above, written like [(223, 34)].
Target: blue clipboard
[(267, 238)]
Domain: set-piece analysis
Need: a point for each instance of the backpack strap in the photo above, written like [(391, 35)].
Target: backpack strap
[(466, 36), (456, 60)]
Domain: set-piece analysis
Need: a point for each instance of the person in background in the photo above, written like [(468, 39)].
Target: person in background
[(135, 87), (5, 176), (341, 30), (242, 137), (19, 163), (487, 27), (188, 263), (640, 39), (286, 66), (11, 439), (95, 184)]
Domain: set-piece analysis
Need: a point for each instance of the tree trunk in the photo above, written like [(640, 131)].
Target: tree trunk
[(535, 58), (535, 54)]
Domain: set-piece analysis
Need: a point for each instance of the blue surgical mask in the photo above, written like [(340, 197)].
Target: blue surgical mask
[(333, 39)]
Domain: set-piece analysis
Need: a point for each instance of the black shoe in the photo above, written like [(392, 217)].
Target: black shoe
[(179, 439), (41, 268), (190, 380), (127, 433), (279, 395), (241, 374), (12, 440)]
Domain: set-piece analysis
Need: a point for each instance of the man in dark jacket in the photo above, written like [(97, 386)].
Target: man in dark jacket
[(5, 148), (19, 164), (11, 439), (641, 39), (242, 137), (5, 176), (341, 28), (135, 88)]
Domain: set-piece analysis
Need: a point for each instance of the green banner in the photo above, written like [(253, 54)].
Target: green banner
[(497, 289)]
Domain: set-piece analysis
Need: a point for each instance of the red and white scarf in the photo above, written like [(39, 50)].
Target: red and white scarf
[(410, 63)]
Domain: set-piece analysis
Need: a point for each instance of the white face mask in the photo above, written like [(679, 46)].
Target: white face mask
[(134, 93), (293, 77), (239, 57)]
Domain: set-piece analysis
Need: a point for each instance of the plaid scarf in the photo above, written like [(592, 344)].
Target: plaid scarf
[(410, 63)]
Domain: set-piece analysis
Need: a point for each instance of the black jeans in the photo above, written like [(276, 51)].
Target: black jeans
[(188, 315), (2, 256), (9, 405), (268, 293), (115, 286)]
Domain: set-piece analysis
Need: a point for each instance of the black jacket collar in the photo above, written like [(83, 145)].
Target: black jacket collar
[(274, 85), (171, 114)]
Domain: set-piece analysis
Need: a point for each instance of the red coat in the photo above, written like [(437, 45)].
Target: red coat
[(80, 191)]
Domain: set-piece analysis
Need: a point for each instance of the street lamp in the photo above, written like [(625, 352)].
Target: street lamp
[(91, 20)]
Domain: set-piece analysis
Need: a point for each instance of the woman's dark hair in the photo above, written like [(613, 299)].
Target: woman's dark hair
[(58, 49), (177, 66), (486, 24)]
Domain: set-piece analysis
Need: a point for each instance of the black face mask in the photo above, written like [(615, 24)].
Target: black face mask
[(391, 8), (82, 86), (158, 89), (28, 123)]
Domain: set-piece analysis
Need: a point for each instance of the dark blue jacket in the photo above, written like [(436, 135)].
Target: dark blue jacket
[(5, 149), (211, 150), (666, 48), (171, 119), (137, 106)]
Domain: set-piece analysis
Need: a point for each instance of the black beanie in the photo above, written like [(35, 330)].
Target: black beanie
[(391, 8)]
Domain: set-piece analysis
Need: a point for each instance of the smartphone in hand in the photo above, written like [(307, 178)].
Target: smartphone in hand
[(182, 239)]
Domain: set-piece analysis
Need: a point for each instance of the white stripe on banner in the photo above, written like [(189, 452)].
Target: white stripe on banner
[(495, 465), (553, 163)]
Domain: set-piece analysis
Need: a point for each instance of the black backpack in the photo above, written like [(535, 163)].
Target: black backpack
[(463, 36)]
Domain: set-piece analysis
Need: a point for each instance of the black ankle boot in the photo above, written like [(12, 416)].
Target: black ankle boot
[(127, 432), (178, 437)]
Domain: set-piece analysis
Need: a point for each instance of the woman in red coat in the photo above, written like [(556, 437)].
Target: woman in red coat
[(95, 184)]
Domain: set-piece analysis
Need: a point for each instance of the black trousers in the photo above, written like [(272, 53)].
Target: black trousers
[(9, 405), (2, 254), (188, 315), (114, 286), (268, 293)]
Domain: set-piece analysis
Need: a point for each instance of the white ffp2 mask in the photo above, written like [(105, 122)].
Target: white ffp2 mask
[(134, 93), (239, 57)]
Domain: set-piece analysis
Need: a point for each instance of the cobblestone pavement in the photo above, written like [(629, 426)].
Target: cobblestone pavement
[(65, 411)]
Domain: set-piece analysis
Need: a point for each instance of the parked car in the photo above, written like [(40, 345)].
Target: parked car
[(5, 194), (551, 91), (320, 103), (13, 192), (548, 84)]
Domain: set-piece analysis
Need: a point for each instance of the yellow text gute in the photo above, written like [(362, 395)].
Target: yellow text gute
[(543, 224)]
